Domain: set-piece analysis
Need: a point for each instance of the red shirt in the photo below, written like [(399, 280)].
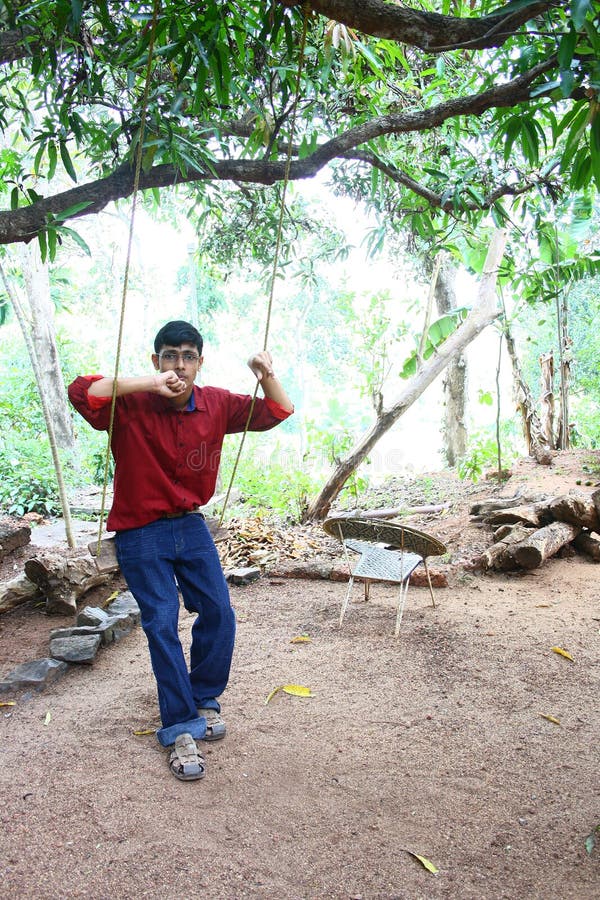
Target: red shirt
[(167, 460)]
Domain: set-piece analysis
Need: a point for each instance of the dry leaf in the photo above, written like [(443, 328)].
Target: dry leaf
[(272, 694), (47, 718), (110, 599), (8, 703), (426, 863), (145, 731), (301, 639), (296, 690), (550, 718), (562, 652)]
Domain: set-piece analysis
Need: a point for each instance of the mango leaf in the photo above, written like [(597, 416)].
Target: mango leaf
[(66, 160), (562, 652), (550, 718), (296, 690), (426, 863), (48, 718)]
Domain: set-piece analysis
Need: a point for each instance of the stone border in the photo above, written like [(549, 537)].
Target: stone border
[(79, 644)]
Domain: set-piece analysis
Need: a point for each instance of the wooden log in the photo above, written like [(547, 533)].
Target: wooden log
[(523, 515), (577, 508), (64, 579), (12, 536), (16, 591), (493, 557), (541, 545), (596, 501), (588, 545), (491, 504), (392, 512)]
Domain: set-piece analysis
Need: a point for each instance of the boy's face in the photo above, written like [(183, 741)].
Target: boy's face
[(184, 360)]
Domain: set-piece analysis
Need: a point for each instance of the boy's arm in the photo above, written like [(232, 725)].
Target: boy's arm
[(167, 384), (262, 366)]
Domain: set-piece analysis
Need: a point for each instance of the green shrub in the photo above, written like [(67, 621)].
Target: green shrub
[(27, 479)]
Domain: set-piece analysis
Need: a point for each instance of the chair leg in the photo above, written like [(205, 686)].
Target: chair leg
[(429, 582), (401, 602), (346, 600)]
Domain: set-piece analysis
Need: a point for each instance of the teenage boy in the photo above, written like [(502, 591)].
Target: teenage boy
[(166, 442)]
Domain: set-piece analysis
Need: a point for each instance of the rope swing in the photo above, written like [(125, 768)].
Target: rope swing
[(286, 178), (136, 181)]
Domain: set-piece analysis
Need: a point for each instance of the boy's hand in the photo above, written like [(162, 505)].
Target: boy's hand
[(262, 365), (168, 384)]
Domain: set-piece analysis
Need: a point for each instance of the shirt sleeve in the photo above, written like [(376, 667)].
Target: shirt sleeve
[(95, 410), (266, 413), (277, 410)]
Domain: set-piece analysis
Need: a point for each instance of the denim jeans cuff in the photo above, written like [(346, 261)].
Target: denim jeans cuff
[(209, 703), (195, 727)]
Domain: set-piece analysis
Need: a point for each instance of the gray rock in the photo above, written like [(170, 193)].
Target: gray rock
[(125, 605), (243, 575), (35, 674), (113, 629), (92, 615), (78, 648)]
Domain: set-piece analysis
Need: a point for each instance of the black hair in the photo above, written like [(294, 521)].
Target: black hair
[(174, 334)]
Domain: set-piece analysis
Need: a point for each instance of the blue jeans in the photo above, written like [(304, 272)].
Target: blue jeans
[(157, 560)]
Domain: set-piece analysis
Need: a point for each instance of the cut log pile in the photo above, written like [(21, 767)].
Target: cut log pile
[(528, 531)]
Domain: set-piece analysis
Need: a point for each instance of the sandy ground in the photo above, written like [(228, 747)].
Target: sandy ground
[(434, 743)]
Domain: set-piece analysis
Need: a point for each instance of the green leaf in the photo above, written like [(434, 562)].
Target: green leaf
[(567, 82), (66, 160), (566, 48), (43, 245), (579, 11), (76, 237), (52, 243), (595, 150), (52, 159)]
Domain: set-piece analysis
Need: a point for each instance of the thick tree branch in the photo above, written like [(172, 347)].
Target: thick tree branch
[(428, 31), (23, 224)]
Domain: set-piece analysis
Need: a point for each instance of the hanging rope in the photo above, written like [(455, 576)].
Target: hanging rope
[(286, 178), (136, 184)]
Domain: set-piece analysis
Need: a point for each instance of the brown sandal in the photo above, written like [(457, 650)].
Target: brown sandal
[(185, 762)]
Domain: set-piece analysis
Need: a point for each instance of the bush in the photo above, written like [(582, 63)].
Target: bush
[(27, 479)]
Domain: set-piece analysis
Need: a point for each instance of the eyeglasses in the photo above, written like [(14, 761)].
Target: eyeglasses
[(171, 356)]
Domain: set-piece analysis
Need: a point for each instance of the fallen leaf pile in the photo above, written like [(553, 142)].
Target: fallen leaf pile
[(254, 542)]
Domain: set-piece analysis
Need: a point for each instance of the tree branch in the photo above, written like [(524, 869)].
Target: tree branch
[(24, 224), (428, 31)]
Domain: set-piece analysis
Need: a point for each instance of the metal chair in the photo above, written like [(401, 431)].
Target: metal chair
[(389, 551)]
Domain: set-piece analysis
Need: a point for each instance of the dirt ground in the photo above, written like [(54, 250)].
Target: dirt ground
[(433, 743)]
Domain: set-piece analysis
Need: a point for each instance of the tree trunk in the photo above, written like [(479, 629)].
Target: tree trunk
[(547, 399), (535, 439), (484, 312), (456, 375), (37, 287)]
